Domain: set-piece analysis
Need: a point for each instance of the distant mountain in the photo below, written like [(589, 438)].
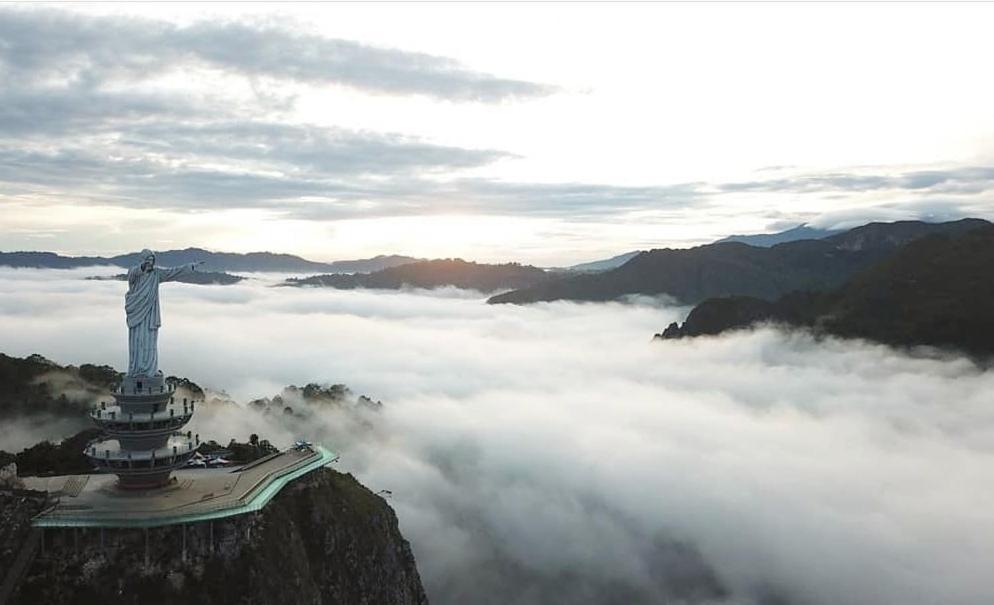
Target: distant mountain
[(49, 260), (213, 261), (203, 278), (732, 268), (766, 240), (369, 265), (605, 264), (761, 240), (936, 290), (434, 274)]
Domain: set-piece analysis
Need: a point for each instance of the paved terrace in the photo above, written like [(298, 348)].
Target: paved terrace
[(195, 495)]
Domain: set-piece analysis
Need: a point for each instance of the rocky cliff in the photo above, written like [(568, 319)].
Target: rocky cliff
[(325, 539)]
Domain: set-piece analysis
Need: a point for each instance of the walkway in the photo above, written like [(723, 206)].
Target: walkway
[(196, 495)]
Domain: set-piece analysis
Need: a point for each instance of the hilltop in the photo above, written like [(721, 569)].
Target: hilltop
[(325, 538), (36, 386)]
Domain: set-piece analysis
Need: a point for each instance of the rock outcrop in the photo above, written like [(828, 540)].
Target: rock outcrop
[(323, 540)]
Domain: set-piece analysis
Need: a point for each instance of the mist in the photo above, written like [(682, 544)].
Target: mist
[(555, 454)]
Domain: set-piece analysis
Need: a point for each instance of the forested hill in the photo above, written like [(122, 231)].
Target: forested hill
[(213, 261), (35, 385), (937, 291), (732, 268), (434, 274)]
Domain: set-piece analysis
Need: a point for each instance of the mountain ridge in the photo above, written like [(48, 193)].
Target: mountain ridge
[(213, 261), (935, 291), (765, 240), (432, 274), (692, 275)]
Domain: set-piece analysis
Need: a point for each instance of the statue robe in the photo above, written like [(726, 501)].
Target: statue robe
[(141, 304)]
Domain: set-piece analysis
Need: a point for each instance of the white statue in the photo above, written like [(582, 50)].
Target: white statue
[(141, 304)]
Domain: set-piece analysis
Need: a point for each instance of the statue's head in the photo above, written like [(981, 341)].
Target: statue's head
[(148, 260)]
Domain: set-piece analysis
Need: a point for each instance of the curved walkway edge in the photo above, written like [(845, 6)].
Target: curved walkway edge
[(254, 500)]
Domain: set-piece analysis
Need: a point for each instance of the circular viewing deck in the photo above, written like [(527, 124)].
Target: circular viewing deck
[(141, 443), (141, 469), (114, 420)]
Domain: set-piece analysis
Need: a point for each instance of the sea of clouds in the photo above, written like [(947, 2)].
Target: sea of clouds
[(556, 454)]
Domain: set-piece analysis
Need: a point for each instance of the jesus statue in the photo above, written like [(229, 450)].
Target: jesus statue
[(141, 304)]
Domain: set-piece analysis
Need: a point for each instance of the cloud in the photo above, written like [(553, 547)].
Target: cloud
[(135, 113), (82, 117), (307, 149), (315, 174), (553, 454), (75, 110), (46, 45), (963, 179)]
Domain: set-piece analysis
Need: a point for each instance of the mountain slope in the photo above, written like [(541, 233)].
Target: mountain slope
[(731, 268), (604, 264), (213, 261), (434, 274), (36, 386), (937, 290)]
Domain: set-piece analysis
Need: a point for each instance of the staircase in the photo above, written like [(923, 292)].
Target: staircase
[(74, 485)]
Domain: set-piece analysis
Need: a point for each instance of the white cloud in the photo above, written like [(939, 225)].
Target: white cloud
[(553, 453), (333, 113)]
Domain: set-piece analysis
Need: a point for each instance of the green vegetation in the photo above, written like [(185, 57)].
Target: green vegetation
[(35, 386), (936, 291), (239, 452), (47, 458)]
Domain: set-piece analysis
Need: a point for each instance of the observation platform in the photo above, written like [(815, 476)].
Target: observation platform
[(141, 469), (112, 419), (192, 496)]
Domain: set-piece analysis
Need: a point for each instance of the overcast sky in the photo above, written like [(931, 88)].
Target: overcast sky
[(547, 133)]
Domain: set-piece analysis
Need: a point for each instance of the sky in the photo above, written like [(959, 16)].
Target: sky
[(533, 460), (547, 133)]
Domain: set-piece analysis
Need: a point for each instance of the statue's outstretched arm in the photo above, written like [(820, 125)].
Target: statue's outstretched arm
[(172, 273)]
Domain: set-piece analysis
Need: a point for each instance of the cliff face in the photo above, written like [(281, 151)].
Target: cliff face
[(325, 539)]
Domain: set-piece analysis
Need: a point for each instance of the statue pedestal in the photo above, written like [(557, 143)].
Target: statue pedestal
[(145, 443)]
